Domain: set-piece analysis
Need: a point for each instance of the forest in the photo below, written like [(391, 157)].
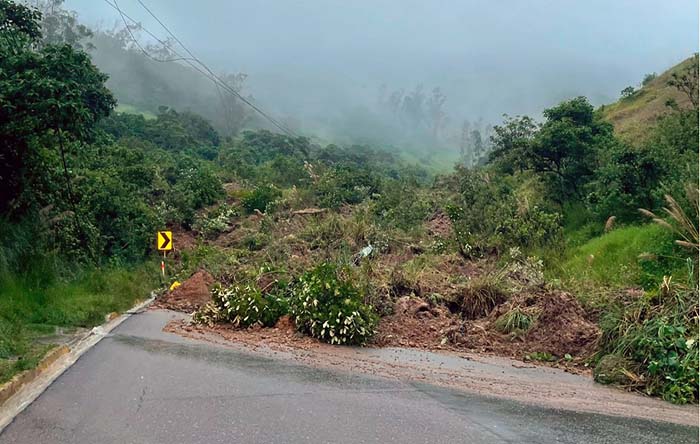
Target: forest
[(579, 209)]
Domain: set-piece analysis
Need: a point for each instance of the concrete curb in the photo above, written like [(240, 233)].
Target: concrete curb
[(8, 389), (25, 387)]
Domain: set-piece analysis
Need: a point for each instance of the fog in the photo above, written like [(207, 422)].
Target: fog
[(321, 63)]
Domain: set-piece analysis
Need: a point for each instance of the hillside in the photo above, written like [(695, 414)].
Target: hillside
[(634, 116)]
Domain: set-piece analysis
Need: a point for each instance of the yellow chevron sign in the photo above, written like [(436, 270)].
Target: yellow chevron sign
[(164, 240)]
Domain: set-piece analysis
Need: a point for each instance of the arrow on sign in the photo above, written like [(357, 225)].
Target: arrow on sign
[(166, 240)]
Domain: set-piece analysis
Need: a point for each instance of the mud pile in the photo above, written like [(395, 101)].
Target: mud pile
[(560, 328), (414, 323), (192, 294)]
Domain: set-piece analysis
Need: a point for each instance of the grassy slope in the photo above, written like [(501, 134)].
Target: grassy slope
[(627, 256), (30, 314), (635, 115)]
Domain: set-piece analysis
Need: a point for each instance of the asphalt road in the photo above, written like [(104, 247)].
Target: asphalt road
[(140, 385)]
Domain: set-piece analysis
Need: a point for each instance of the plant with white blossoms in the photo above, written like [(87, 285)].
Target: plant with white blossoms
[(242, 306), (330, 308)]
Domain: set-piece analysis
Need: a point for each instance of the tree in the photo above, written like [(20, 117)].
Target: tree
[(627, 92), (511, 143), (625, 181), (464, 147), (686, 81), (60, 26), (52, 96), (564, 149), (436, 111), (412, 107), (648, 78)]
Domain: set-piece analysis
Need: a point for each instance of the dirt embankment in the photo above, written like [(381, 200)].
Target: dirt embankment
[(560, 329), (420, 292), (190, 295)]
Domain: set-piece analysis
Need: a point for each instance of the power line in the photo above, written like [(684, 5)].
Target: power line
[(208, 74), (233, 91), (136, 42)]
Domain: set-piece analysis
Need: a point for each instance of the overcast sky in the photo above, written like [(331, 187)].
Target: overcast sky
[(489, 57)]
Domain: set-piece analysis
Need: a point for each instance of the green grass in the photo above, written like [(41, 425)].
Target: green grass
[(613, 259), (29, 311)]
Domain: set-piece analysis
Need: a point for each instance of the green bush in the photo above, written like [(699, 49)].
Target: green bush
[(214, 222), (402, 205), (658, 335), (330, 308), (346, 185), (490, 214), (242, 306), (260, 198)]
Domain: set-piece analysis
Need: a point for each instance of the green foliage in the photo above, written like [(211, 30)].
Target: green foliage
[(540, 356), (627, 92), (511, 143), (514, 321), (34, 304), (490, 216), (242, 305), (54, 97), (625, 182), (629, 256), (18, 22), (481, 296), (657, 335), (346, 185), (394, 207), (171, 130), (648, 78), (213, 222), (615, 369), (330, 308), (263, 156), (194, 186), (261, 198)]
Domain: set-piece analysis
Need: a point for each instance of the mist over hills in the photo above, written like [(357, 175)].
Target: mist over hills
[(320, 65)]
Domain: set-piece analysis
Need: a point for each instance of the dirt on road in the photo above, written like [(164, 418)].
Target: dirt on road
[(472, 372)]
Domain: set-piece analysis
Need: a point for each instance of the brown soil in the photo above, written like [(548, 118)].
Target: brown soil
[(439, 225), (182, 241), (192, 294), (415, 323), (561, 328), (283, 334)]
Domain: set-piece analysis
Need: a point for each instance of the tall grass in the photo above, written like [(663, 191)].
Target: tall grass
[(624, 257)]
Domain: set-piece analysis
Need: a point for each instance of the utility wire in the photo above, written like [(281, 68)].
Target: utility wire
[(208, 73), (138, 45)]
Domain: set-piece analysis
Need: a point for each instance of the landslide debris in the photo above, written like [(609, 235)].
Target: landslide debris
[(190, 295)]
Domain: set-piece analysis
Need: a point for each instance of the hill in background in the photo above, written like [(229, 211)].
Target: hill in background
[(635, 115)]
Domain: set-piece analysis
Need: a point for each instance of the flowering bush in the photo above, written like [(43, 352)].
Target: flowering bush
[(331, 308), (242, 306)]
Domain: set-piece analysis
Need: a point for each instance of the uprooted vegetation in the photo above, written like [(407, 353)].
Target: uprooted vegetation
[(535, 250), (354, 247)]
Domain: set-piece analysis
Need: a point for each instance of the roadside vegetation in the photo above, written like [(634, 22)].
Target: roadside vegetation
[(563, 243)]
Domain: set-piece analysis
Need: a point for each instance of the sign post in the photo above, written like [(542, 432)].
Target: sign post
[(164, 243)]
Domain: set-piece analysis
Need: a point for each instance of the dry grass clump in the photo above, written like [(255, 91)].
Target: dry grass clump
[(481, 296), (684, 225)]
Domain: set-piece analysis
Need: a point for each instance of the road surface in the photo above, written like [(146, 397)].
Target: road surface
[(141, 385)]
